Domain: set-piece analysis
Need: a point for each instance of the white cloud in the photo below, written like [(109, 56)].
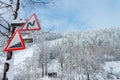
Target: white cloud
[(79, 14)]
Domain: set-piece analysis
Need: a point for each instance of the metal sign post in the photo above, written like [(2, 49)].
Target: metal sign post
[(28, 40), (18, 43), (8, 67), (9, 64), (10, 73)]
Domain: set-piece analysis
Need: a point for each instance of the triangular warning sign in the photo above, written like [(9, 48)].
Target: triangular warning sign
[(15, 43), (31, 24)]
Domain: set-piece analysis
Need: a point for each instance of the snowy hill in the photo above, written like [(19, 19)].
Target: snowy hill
[(112, 67), (73, 56)]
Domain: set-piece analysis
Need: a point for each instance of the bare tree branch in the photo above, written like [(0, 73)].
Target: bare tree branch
[(4, 34), (4, 26), (17, 8), (4, 19), (2, 13), (7, 23), (11, 2), (5, 6), (3, 3)]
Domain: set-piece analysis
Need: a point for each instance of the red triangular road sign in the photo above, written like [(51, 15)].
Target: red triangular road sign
[(15, 43), (31, 24)]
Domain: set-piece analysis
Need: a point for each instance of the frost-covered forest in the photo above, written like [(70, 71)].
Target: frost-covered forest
[(89, 55)]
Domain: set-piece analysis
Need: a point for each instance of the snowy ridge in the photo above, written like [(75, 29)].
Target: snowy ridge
[(28, 61)]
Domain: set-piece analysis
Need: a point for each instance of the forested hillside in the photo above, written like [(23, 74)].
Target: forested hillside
[(73, 55)]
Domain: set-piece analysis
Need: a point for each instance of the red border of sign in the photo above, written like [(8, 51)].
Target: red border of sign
[(39, 28), (13, 49)]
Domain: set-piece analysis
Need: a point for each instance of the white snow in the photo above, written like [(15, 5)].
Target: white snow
[(18, 21), (20, 56), (2, 63), (25, 36), (53, 66), (54, 42), (113, 67), (46, 78)]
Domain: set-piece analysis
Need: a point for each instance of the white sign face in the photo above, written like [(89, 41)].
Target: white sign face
[(31, 24), (15, 43)]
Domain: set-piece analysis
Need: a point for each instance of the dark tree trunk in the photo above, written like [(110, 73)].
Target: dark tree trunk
[(62, 65), (42, 70), (17, 8), (46, 67), (88, 76)]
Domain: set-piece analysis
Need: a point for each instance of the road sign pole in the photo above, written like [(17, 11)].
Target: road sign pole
[(10, 73), (8, 67), (31, 24), (9, 64)]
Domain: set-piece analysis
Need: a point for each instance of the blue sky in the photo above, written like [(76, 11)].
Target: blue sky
[(67, 15)]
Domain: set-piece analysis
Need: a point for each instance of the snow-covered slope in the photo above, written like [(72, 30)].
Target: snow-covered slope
[(112, 67), (20, 56), (96, 38)]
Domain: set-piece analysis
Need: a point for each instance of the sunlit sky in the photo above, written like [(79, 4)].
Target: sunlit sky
[(67, 15)]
